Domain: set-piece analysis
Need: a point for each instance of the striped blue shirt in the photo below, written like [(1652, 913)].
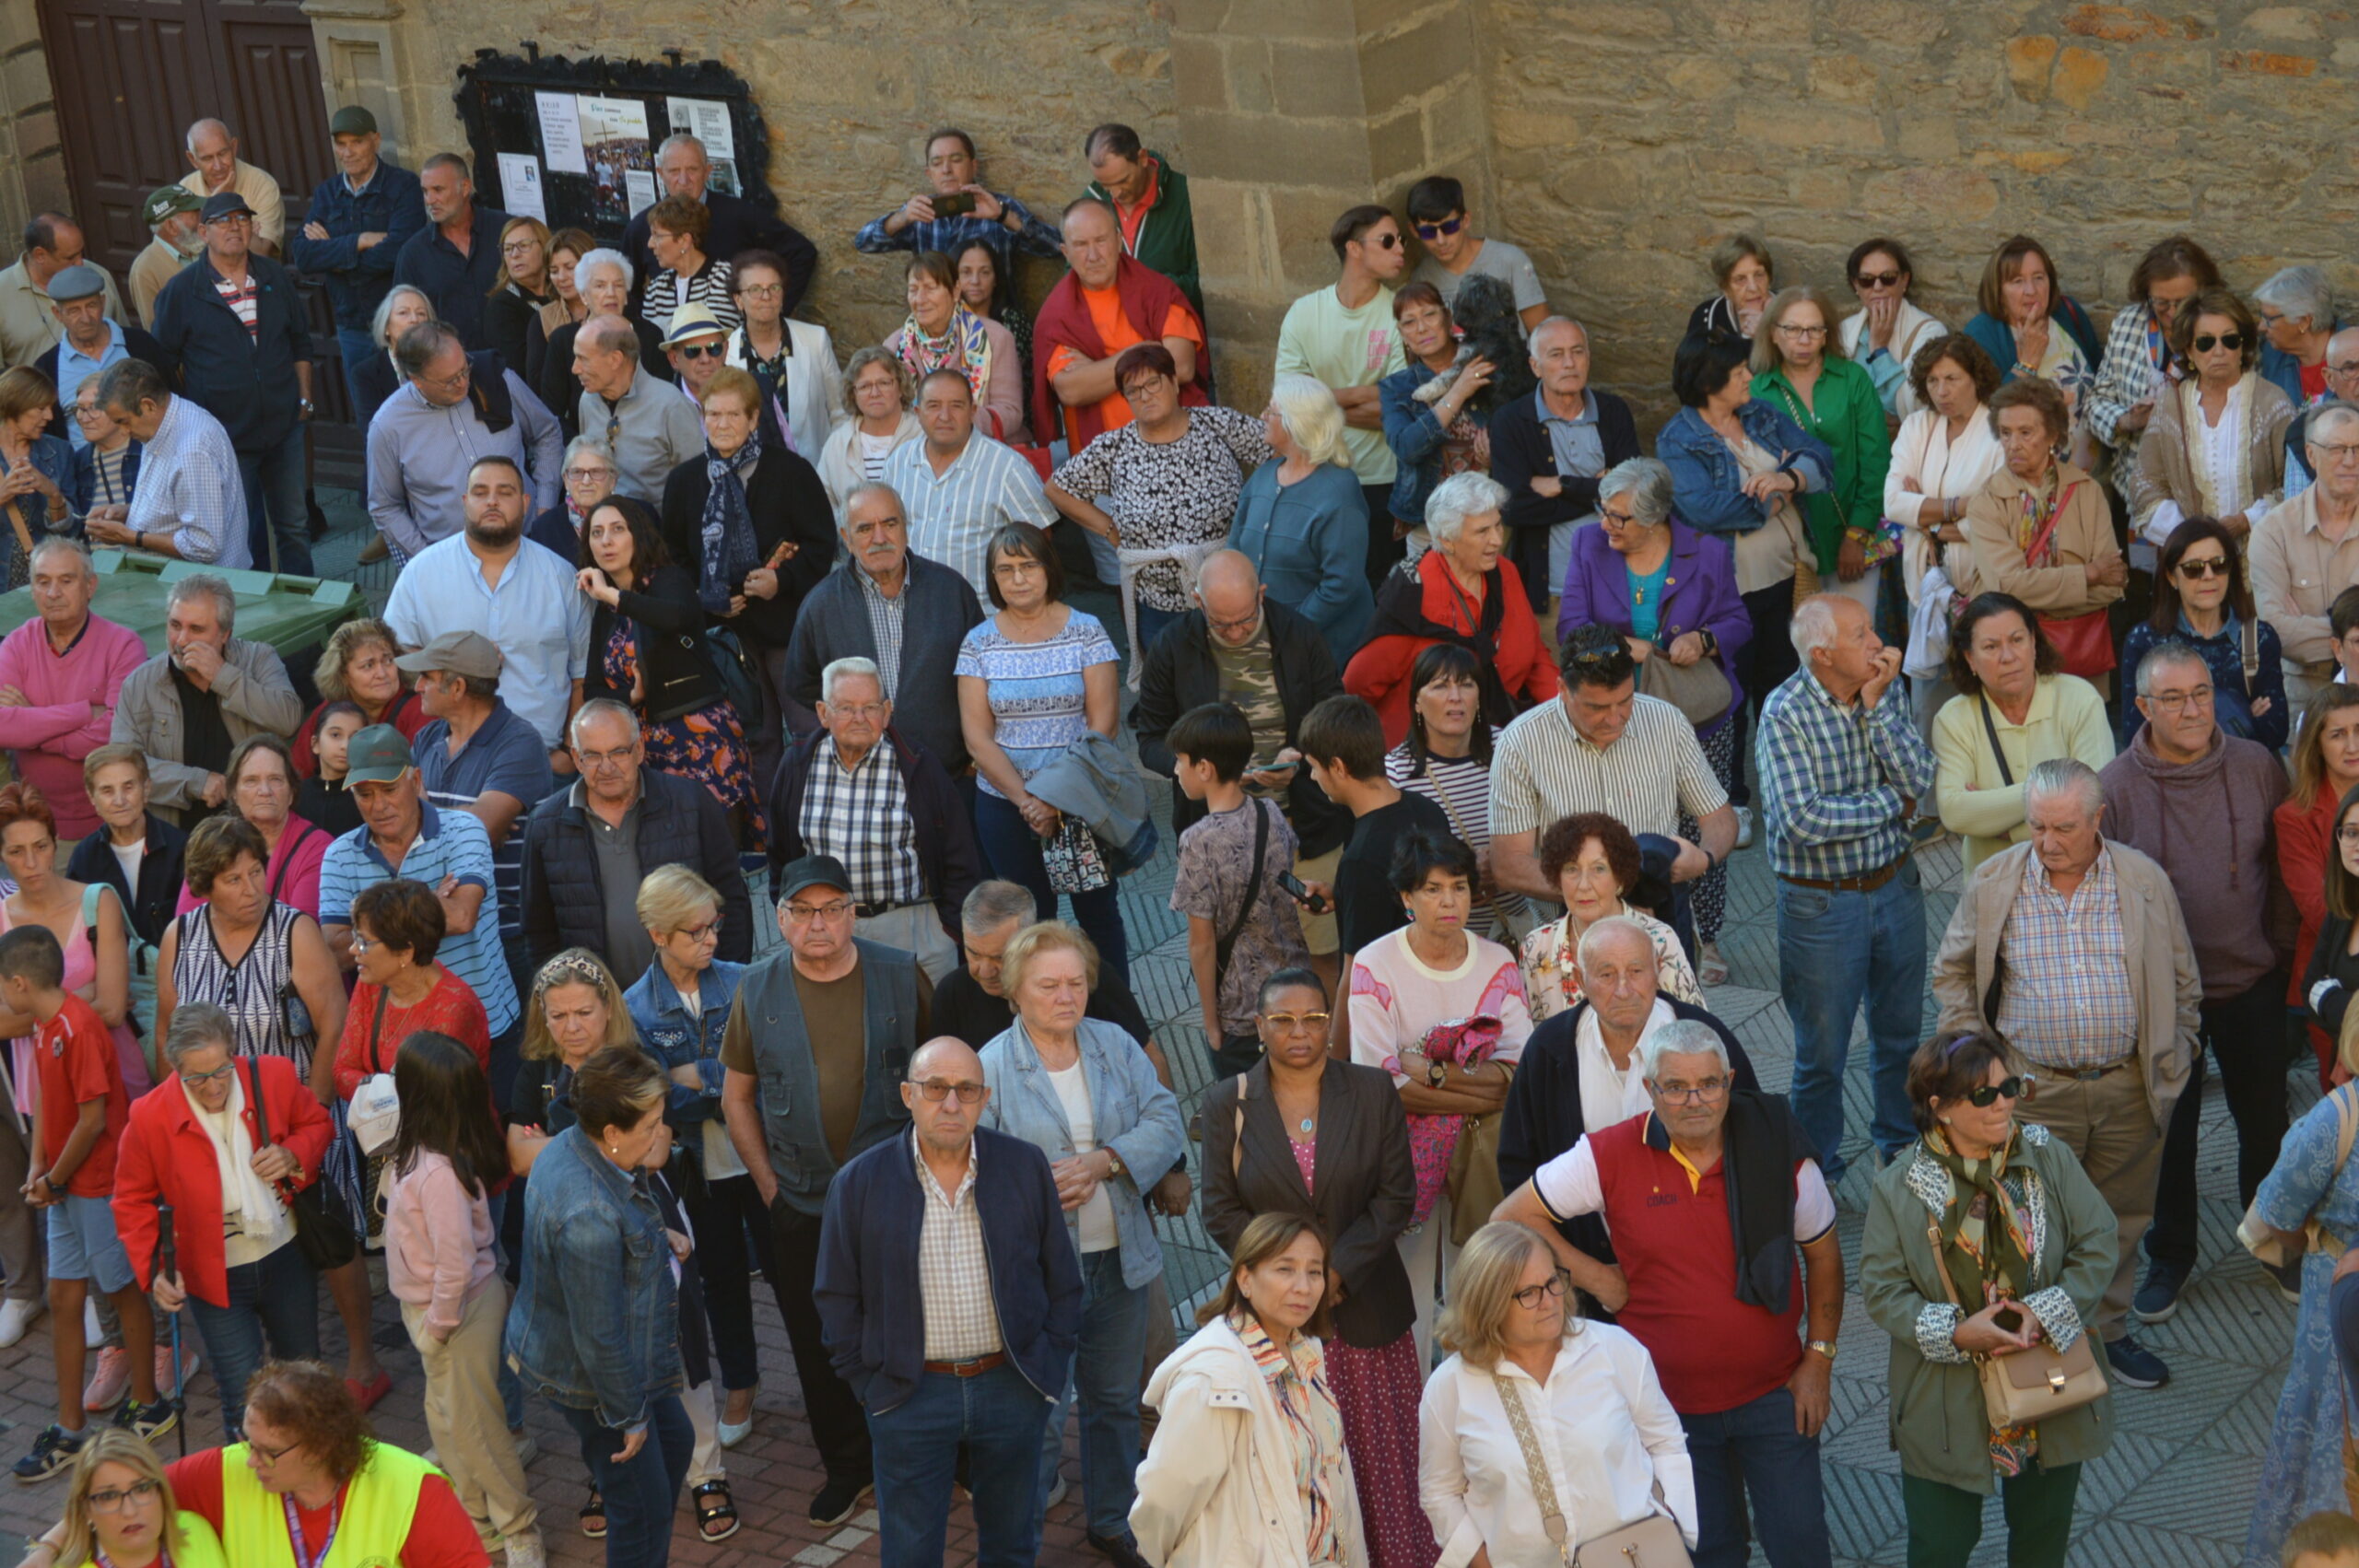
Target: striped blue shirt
[(1834, 778), (1038, 694), (953, 517), (449, 844), (188, 487)]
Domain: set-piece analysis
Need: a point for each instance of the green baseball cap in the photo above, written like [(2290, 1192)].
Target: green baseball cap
[(378, 754), (165, 199)]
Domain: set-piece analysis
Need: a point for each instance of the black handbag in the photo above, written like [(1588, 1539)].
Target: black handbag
[(322, 1232)]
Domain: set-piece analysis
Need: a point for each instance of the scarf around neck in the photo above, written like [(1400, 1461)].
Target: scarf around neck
[(963, 346), (729, 548), (1985, 1236)]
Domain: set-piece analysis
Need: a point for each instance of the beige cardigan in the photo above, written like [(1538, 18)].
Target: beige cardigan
[(2083, 535), (2066, 718), (2166, 468)]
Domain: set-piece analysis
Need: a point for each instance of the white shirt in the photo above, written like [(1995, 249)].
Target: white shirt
[(1570, 1186), (1095, 1217), (128, 856), (255, 1223), (1606, 1432), (1609, 1095)]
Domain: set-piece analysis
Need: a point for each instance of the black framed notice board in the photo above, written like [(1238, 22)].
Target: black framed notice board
[(572, 142)]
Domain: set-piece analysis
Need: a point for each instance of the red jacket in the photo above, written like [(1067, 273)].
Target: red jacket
[(1522, 675), (2305, 839), (166, 1155)]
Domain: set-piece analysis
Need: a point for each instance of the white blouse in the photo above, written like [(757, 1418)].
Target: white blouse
[(1610, 1096), (1924, 453), (1606, 1432)]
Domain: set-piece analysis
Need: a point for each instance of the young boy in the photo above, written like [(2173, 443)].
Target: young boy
[(1221, 891), (79, 1110)]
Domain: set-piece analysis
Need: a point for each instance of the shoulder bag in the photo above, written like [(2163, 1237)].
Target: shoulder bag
[(2031, 1385), (1701, 690), (1227, 944), (323, 1233), (375, 1113), (1653, 1542), (2263, 1240), (2085, 641)]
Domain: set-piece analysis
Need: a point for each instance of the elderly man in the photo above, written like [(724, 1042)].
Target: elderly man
[(1550, 449), (961, 487), (1841, 769), (832, 1021), (359, 219), (1150, 201), (685, 170), (93, 342), (236, 324), (998, 220), (2200, 803), (28, 323), (2341, 375), (1676, 1185), (190, 504), (188, 707), (1108, 302), (1345, 337), (216, 167), (587, 847), (916, 1231), (490, 579), (648, 428), (860, 792), (455, 257), (60, 675), (695, 344), (2072, 951), (2306, 551), (176, 236), (972, 1003), (452, 409)]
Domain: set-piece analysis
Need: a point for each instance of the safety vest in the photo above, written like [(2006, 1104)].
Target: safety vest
[(199, 1546), (378, 1505)]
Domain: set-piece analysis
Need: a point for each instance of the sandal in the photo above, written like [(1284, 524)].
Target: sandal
[(710, 1512), (1711, 969), (595, 1510)]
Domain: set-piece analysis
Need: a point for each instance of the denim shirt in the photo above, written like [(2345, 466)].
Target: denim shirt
[(1135, 1115), (53, 459), (676, 1040), (595, 1323), (1414, 432), (1707, 483)]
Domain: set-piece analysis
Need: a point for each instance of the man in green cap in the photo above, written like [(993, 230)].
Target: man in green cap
[(169, 213), (361, 216)]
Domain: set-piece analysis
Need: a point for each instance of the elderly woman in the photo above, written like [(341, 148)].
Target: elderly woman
[(2296, 308), (2029, 326), (1522, 1361), (1308, 1135), (2325, 769), (1886, 334), (1171, 480), (2041, 531), (2200, 599), (377, 376), (1302, 518), (604, 279), (1431, 436), (1084, 1093), (877, 391), (106, 465), (36, 468), (565, 304), (1944, 452), (1984, 1238), (677, 228), (398, 925), (2137, 365), (262, 794), (1462, 592), (2216, 445), (1672, 593), (1446, 758), (793, 362), (357, 666), (121, 1510), (589, 477), (1799, 370), (941, 334), (521, 291), (1745, 275), (1594, 861), (2014, 708)]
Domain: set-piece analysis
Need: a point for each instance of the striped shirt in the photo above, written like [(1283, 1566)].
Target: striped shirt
[(667, 292), (188, 487), (953, 1275), (243, 297), (953, 516), (1461, 787), (884, 625), (449, 843), (1543, 768), (861, 815), (2066, 1000), (1038, 691), (1836, 779)]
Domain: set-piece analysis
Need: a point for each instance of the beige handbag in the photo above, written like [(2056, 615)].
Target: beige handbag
[(2031, 1385), (1652, 1542)]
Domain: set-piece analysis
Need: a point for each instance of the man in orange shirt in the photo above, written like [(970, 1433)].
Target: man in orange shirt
[(1107, 303)]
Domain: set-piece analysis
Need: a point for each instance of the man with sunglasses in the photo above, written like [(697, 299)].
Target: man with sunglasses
[(696, 344), (2341, 385), (453, 408), (1454, 253), (2072, 951)]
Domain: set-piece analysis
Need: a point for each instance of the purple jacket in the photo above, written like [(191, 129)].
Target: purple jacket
[(1699, 595)]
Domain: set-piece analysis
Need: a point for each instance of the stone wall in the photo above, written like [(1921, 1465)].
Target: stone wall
[(32, 163)]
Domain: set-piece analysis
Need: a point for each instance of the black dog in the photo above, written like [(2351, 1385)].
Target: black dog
[(1490, 329)]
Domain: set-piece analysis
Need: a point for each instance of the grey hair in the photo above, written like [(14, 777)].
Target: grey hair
[(681, 139), (1532, 339), (1813, 626), (385, 310), (1683, 1036), (604, 256), (845, 669), (2299, 292), (991, 905), (1645, 480), (588, 446), (2335, 410), (600, 708), (608, 332), (194, 1025), (421, 346), (70, 544), (873, 488), (2065, 776), (225, 598), (1313, 419), (2162, 656), (1601, 931), (1460, 496)]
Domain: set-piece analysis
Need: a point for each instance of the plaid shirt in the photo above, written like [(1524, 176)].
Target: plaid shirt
[(884, 625), (2131, 372), (1833, 779), (861, 817), (188, 487), (954, 1273), (2066, 1000), (951, 235)]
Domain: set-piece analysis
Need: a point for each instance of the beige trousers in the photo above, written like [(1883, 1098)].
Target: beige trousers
[(2108, 1125), (466, 1420)]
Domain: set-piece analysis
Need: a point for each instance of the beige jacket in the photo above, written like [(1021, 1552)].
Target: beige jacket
[(2296, 572), (2163, 978), (2166, 458), (2084, 534)]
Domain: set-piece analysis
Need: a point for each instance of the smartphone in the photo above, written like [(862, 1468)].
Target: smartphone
[(956, 204), (1278, 766), (1292, 885)]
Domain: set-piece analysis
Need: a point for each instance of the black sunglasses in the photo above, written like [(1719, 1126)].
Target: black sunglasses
[(1447, 226), (1876, 279), (2203, 569), (702, 350), (2013, 1087), (2232, 341), (1388, 240)]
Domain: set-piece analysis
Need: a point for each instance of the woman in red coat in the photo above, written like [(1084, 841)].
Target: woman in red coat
[(1459, 591)]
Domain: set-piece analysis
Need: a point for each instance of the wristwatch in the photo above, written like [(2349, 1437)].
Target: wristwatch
[(1436, 1073), (1114, 1158), (1824, 1347)]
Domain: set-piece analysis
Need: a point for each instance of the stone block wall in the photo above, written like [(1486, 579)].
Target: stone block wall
[(32, 163)]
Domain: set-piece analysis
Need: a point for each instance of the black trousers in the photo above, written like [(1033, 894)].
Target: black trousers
[(838, 1426), (723, 1212), (1383, 550), (2247, 1034), (1763, 665)]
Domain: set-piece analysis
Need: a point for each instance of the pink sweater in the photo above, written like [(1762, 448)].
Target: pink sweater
[(437, 1243), (1395, 998), (55, 730)]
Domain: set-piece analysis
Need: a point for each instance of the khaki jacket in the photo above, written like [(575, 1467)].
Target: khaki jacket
[(2084, 534), (2163, 976), (2296, 572)]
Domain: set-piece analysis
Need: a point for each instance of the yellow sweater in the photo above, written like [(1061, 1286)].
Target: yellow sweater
[(2067, 719)]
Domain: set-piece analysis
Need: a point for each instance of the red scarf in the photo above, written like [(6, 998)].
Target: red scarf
[(1063, 320)]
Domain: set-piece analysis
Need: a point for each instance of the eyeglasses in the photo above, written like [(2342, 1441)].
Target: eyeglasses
[(446, 382), (362, 943), (2230, 341), (270, 1455), (803, 914), (1288, 1023), (935, 1090), (1447, 226), (113, 1501), (2210, 565), (2013, 1087), (1705, 1093), (1621, 519), (701, 350), (2340, 451), (1792, 330), (859, 710), (2348, 367), (1876, 279), (520, 247), (709, 932), (761, 290), (193, 1079), (2180, 702), (615, 758), (2348, 833), (1531, 1295), (591, 474)]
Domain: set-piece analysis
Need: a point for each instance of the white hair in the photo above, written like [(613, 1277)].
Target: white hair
[(991, 905), (600, 708), (2299, 293), (67, 543), (1683, 1036), (2064, 776), (843, 670), (681, 139), (385, 311), (2335, 413), (604, 256), (1458, 498), (590, 445), (1813, 626), (1314, 420), (1602, 932)]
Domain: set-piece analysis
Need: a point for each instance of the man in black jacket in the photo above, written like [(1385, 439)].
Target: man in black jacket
[(1549, 450), (880, 804), (686, 169), (587, 847), (234, 322)]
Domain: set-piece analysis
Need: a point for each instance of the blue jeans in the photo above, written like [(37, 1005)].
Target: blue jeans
[(997, 1417), (278, 1297), (1754, 1450), (353, 344), (274, 481), (1014, 852), (1835, 950), (1152, 623), (1106, 1377), (641, 1492)]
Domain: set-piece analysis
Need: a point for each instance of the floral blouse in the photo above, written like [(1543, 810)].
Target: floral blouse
[(1552, 971)]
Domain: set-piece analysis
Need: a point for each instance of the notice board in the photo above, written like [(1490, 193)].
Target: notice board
[(572, 142)]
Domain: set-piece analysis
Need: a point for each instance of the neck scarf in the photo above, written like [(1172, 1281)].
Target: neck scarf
[(963, 346), (1985, 1236), (1297, 1378), (729, 549)]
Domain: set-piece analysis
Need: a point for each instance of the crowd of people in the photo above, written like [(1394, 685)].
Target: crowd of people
[(448, 946)]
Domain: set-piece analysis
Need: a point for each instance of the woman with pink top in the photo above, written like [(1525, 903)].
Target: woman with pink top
[(1443, 1011), (440, 1264), (261, 791)]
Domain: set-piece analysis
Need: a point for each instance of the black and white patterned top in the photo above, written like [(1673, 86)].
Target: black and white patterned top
[(1161, 494), (667, 291), (257, 991)]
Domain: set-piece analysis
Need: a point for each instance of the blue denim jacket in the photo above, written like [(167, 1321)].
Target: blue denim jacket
[(1415, 433), (53, 459), (391, 204), (595, 1324), (1706, 482), (1135, 1115), (676, 1040)]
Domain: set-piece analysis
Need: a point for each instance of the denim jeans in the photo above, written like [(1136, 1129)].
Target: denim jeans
[(643, 1492), (1834, 950), (1014, 852), (997, 1417), (274, 481), (276, 1297), (1152, 623), (1106, 1377), (1753, 1449), (354, 346)]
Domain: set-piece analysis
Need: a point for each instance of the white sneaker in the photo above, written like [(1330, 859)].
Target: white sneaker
[(526, 1552), (1744, 827), (92, 1335), (17, 1316)]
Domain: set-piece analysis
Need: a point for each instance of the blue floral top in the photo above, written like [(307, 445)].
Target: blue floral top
[(1038, 695)]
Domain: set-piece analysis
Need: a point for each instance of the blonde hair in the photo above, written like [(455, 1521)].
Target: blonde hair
[(1314, 420), (344, 645), (1765, 355), (671, 896), (1482, 1284), (1045, 936), (114, 1446), (575, 967)]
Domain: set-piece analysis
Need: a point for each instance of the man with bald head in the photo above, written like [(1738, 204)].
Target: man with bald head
[(2306, 549), (2343, 384), (1549, 450), (1108, 302), (215, 166), (648, 428)]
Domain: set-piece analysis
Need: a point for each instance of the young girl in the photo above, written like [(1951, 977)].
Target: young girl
[(323, 799), (440, 1263)]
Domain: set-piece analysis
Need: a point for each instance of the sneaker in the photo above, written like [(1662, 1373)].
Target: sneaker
[(147, 1422), (2157, 1296), (17, 1316), (838, 1500), (1056, 1496), (109, 1381), (1744, 827), (93, 1333), (2134, 1365), (1119, 1549), (189, 1362), (2288, 1277), (526, 1550), (52, 1451)]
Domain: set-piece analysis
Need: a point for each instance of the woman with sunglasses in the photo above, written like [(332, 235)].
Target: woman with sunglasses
[(2215, 444), (2030, 1244), (2202, 599), (1886, 333)]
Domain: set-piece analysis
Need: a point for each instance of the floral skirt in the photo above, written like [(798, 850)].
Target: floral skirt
[(1378, 1391), (708, 746)]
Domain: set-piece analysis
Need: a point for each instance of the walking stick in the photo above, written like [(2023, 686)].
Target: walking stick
[(168, 1262)]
